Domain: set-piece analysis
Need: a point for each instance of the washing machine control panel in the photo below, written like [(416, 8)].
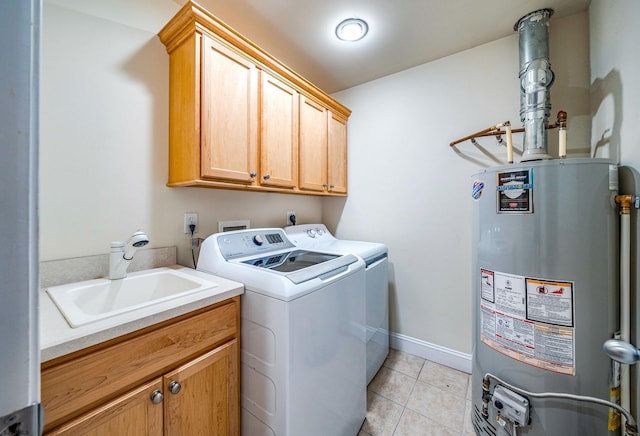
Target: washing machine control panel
[(249, 242)]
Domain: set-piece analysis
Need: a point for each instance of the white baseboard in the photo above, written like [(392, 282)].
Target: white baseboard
[(435, 353)]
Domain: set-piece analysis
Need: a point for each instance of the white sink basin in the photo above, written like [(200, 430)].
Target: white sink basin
[(93, 300)]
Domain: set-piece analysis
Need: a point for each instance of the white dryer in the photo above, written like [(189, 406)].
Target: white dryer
[(302, 333), (317, 237)]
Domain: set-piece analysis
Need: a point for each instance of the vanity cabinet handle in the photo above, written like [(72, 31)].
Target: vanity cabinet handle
[(252, 174), (266, 177), (174, 387), (157, 397), (324, 185)]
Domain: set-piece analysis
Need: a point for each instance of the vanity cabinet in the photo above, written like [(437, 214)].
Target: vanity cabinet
[(177, 377), (132, 413), (237, 115)]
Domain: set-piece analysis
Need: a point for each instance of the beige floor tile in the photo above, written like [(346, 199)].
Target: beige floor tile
[(467, 427), (404, 362), (448, 379), (412, 396), (438, 405), (382, 415), (392, 385), (414, 424)]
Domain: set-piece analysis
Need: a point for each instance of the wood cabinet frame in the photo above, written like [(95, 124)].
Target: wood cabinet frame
[(74, 387), (184, 36)]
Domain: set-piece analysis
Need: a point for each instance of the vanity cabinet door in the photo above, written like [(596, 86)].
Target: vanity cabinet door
[(134, 413), (202, 396)]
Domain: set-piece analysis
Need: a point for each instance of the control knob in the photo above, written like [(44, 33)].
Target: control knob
[(258, 240), (311, 233)]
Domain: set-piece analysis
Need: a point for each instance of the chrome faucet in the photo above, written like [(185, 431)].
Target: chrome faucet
[(122, 253)]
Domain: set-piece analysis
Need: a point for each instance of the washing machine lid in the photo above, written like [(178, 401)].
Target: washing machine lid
[(267, 257), (299, 266), (318, 237)]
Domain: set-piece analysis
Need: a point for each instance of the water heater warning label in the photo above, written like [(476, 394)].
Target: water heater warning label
[(528, 319)]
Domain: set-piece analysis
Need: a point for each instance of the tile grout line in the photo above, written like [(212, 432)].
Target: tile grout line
[(395, 367)]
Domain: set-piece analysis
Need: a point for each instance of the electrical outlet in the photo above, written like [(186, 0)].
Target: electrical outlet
[(190, 218), (291, 218)]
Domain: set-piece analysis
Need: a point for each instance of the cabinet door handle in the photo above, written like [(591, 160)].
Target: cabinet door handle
[(332, 186), (174, 387), (324, 185), (252, 174), (157, 397), (266, 177)]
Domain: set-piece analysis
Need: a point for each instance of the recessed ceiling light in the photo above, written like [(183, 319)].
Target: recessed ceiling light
[(352, 29)]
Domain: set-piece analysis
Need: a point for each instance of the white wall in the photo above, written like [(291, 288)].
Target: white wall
[(104, 141), (410, 190), (615, 74), (615, 97)]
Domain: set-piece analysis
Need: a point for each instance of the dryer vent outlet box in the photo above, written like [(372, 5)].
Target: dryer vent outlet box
[(229, 226)]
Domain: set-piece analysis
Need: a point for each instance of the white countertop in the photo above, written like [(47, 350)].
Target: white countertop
[(57, 338)]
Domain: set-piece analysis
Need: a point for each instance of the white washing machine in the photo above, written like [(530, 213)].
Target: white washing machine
[(302, 333), (317, 237)]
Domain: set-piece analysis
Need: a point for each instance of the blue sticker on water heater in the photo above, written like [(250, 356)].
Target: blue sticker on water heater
[(476, 191), (514, 191)]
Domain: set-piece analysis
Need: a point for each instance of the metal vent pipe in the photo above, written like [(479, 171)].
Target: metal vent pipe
[(536, 78)]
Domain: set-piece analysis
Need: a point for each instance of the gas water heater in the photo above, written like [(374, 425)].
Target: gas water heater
[(545, 276)]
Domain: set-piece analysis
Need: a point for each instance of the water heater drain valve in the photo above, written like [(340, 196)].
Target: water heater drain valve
[(511, 406)]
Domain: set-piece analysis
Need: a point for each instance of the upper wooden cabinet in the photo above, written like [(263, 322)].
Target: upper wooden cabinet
[(278, 133), (240, 119), (228, 131), (337, 154), (313, 146)]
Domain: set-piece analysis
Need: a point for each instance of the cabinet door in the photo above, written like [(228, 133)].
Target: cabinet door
[(278, 133), (229, 118), (337, 154), (132, 414), (208, 401), (313, 145)]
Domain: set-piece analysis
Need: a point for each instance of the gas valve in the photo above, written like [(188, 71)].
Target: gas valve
[(511, 406)]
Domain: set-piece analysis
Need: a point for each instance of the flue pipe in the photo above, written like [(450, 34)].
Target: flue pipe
[(536, 78)]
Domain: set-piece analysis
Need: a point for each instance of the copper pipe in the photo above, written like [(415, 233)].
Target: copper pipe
[(562, 119), (493, 130), (624, 201), (497, 130)]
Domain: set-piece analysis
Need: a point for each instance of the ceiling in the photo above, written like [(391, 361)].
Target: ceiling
[(402, 33)]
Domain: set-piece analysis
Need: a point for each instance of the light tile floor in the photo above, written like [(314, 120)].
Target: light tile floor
[(413, 396)]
